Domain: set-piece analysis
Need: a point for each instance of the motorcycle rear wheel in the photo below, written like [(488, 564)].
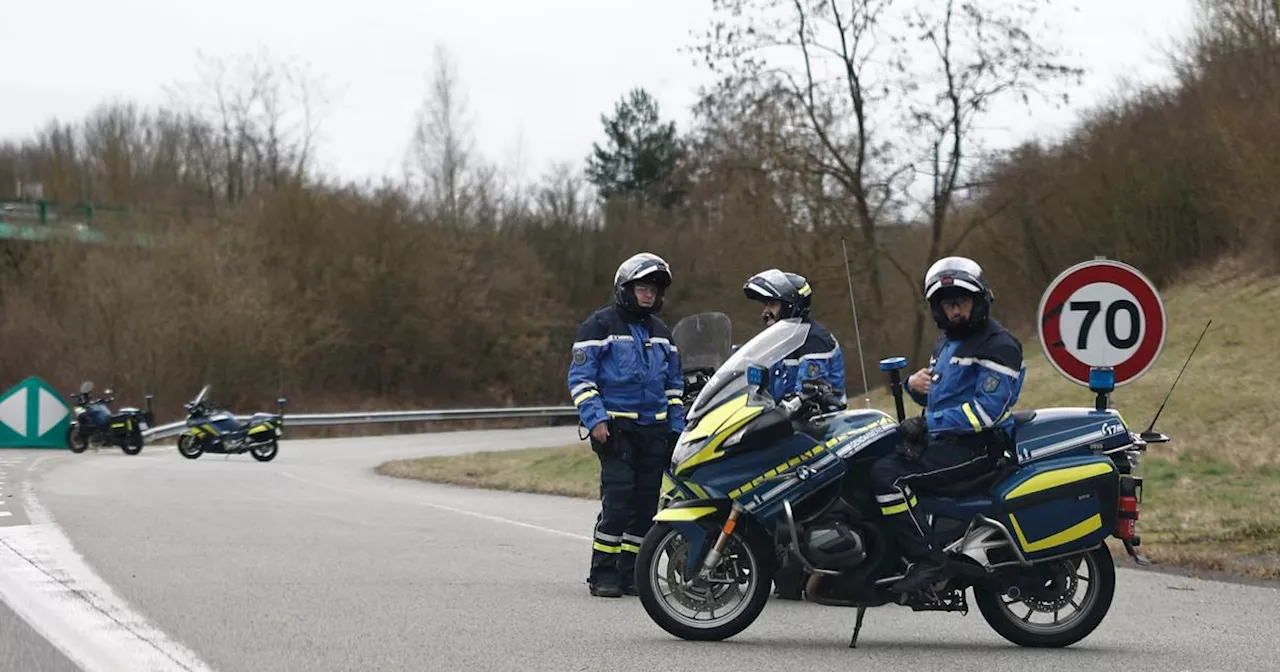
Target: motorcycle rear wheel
[(1092, 608), (134, 446), (267, 453), (744, 560)]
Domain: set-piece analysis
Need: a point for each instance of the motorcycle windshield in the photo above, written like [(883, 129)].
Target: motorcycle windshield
[(704, 340), (204, 392), (767, 349)]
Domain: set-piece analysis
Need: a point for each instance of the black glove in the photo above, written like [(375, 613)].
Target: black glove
[(913, 434)]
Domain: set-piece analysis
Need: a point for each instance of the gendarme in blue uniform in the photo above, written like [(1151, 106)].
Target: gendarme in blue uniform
[(976, 382), (625, 374), (820, 358), (626, 369)]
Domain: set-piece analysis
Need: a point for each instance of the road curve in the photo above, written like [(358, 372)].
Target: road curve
[(313, 562)]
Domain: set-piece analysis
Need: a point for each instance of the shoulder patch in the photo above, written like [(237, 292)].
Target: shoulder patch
[(812, 370), (990, 383), (579, 356)]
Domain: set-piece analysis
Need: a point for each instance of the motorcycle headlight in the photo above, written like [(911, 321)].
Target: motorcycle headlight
[(685, 448), (734, 438)]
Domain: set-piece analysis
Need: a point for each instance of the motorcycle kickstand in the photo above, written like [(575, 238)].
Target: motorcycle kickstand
[(857, 627)]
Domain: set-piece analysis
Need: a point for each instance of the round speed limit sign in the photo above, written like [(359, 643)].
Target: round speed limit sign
[(1102, 313)]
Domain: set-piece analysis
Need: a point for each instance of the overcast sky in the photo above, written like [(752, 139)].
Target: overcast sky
[(537, 73)]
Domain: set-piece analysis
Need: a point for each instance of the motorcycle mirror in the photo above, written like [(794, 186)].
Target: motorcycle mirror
[(107, 392), (86, 387), (281, 400)]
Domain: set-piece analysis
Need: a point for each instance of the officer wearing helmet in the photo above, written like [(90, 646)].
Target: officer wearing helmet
[(819, 360), (788, 295), (626, 382), (968, 392)]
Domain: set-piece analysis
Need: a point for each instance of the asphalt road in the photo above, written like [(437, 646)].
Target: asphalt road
[(313, 562)]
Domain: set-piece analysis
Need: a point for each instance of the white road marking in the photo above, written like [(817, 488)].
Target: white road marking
[(475, 514), (48, 584), (5, 514)]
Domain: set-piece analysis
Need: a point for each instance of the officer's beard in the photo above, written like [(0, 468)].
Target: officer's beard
[(961, 329)]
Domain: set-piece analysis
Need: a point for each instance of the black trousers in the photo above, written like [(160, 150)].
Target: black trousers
[(631, 464), (943, 460)]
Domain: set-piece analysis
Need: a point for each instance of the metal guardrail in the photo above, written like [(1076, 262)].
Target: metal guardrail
[(316, 419)]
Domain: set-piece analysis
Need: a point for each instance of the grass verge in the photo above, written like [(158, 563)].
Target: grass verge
[(1210, 494), (571, 471)]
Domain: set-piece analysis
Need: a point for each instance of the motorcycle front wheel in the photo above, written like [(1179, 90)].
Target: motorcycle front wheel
[(717, 608), (76, 443), (188, 447), (1066, 602), (265, 452)]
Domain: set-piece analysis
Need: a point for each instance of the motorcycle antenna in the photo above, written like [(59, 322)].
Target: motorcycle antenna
[(866, 391), (1175, 380)]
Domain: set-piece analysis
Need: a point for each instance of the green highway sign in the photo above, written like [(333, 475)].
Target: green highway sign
[(33, 415)]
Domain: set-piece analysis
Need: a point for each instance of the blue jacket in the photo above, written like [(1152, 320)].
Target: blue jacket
[(626, 369), (819, 358), (976, 382)]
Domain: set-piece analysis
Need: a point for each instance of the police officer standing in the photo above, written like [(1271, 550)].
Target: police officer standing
[(626, 382), (969, 391), (818, 359)]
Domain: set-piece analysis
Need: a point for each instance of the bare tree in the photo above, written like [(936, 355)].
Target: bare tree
[(439, 160), (253, 122), (890, 94)]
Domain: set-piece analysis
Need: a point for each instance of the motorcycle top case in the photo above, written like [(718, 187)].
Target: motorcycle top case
[(1060, 505)]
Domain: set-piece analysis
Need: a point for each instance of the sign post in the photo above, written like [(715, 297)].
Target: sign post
[(1102, 325)]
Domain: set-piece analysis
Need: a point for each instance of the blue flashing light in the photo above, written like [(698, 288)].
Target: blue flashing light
[(893, 363), (1102, 379), (755, 375)]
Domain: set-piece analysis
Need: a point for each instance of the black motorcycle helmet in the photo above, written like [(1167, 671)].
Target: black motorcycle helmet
[(952, 277), (775, 285), (640, 266)]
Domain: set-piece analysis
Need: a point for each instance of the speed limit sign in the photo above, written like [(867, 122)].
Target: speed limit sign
[(1102, 313)]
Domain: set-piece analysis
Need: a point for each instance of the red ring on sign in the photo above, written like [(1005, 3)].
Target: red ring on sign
[(1148, 303)]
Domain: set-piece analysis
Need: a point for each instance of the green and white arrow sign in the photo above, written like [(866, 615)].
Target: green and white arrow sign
[(33, 415)]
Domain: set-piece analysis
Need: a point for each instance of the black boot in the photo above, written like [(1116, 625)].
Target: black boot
[(604, 589)]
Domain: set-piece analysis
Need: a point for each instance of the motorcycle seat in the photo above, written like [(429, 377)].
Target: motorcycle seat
[(1023, 417), (981, 483)]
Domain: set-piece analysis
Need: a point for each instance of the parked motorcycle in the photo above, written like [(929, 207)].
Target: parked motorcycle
[(756, 483), (217, 431), (93, 423)]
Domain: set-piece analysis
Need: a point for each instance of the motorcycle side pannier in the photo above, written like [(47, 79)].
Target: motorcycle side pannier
[(123, 425), (1060, 505)]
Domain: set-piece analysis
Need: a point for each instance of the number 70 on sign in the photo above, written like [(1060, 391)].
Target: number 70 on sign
[(1102, 313)]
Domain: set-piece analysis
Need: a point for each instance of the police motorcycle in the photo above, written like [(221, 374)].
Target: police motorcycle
[(92, 422), (704, 341), (217, 431), (756, 482)]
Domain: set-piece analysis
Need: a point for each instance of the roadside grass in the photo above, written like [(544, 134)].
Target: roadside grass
[(1210, 494)]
